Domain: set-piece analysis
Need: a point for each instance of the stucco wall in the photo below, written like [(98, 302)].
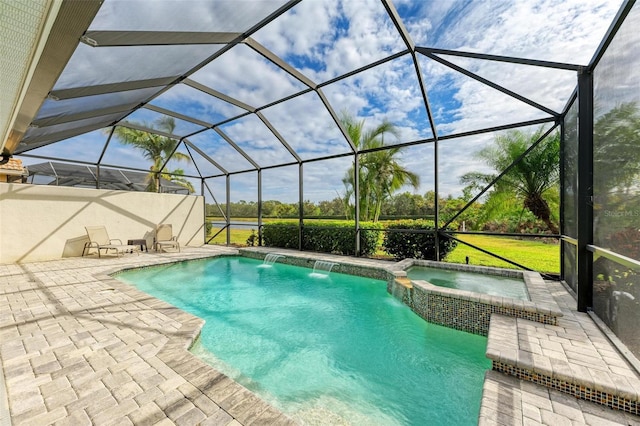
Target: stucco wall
[(47, 222)]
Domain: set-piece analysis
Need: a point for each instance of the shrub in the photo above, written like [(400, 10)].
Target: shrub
[(415, 245), (280, 234), (327, 237), (253, 238), (516, 225), (625, 242)]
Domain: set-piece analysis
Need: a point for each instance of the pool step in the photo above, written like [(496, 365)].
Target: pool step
[(565, 358)]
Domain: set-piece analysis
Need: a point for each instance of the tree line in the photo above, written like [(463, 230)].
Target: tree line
[(405, 205)]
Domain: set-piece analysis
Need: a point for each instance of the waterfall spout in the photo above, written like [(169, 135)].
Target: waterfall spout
[(322, 268), (270, 259)]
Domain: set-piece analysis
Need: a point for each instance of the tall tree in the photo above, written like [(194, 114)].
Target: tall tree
[(531, 180), (380, 174), (157, 149)]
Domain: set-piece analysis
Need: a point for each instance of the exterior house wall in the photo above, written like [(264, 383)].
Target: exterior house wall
[(47, 222)]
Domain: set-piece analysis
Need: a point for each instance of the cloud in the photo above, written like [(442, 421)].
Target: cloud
[(246, 76), (325, 39), (613, 83), (541, 30), (307, 126), (194, 103), (313, 19), (85, 147), (220, 151)]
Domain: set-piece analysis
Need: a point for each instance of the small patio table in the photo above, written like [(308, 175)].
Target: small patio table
[(139, 242)]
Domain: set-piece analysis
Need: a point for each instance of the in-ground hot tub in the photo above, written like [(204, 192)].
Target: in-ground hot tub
[(465, 296), (490, 284)]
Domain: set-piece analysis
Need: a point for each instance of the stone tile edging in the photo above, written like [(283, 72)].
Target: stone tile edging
[(487, 270), (586, 393), (361, 267), (506, 400), (605, 389), (469, 311), (535, 285), (458, 309)]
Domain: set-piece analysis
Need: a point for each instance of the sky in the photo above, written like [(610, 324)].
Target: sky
[(324, 40)]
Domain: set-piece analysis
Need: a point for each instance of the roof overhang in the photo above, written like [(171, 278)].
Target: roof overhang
[(59, 31)]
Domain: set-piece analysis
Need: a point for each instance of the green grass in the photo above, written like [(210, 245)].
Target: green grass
[(532, 254), (536, 255), (238, 236)]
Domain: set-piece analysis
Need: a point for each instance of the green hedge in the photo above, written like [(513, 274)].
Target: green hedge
[(327, 237), (410, 245), (339, 237), (280, 234)]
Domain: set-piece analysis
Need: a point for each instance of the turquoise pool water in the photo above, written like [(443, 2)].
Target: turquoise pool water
[(326, 350), (479, 283)]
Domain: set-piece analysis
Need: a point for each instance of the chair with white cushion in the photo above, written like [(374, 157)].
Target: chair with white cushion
[(165, 237)]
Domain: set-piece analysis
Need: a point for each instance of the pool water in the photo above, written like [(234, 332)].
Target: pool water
[(471, 281), (333, 349)]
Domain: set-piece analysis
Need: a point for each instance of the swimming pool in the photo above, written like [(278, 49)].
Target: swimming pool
[(326, 350), (471, 281)]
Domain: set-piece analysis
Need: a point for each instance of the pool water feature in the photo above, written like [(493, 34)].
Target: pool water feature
[(325, 351), (321, 268), (270, 259), (476, 282)]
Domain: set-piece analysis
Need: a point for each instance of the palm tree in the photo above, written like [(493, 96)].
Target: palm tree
[(531, 180), (177, 177), (158, 149), (380, 174)]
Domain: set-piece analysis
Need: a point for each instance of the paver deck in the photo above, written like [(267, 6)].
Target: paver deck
[(513, 402), (79, 347), (575, 352)]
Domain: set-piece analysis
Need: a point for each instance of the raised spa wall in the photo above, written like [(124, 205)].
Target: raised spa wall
[(459, 309), (466, 310)]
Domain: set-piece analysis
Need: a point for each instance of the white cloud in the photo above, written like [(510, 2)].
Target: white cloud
[(613, 83), (244, 75), (194, 103), (307, 126), (340, 36), (301, 30)]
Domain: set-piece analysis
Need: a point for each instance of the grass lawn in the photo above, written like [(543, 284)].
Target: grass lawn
[(238, 236), (532, 254)]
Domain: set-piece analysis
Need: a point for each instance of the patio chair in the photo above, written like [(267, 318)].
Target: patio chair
[(99, 240), (165, 237)]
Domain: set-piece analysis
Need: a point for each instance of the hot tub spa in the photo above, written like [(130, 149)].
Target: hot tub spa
[(492, 285)]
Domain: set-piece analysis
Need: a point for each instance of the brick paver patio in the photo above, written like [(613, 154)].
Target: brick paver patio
[(79, 347)]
